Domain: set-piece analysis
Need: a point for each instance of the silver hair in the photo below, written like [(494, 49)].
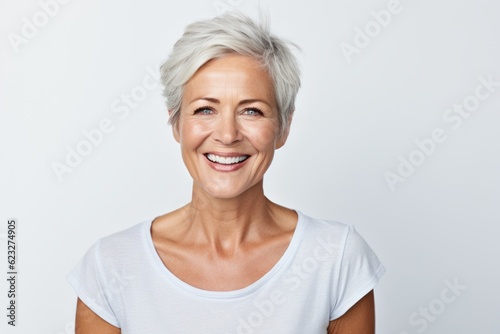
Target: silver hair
[(223, 35)]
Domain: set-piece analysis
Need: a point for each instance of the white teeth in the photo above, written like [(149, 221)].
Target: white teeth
[(226, 160)]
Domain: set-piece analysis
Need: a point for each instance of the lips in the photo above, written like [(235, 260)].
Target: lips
[(226, 160)]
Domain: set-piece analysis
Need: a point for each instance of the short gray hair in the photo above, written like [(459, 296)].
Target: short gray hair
[(223, 35)]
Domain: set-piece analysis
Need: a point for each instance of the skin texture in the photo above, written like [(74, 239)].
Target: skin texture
[(230, 234), (359, 319), (228, 90), (88, 322)]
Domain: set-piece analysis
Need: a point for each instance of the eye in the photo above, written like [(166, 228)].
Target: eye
[(204, 111), (253, 112)]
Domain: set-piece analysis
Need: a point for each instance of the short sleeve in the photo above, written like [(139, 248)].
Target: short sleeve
[(89, 282), (359, 273)]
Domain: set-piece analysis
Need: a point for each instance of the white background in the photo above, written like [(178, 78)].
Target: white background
[(355, 117)]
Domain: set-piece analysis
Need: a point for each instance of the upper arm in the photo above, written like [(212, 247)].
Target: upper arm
[(359, 319), (87, 322)]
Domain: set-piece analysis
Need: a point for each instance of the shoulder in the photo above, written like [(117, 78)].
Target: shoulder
[(126, 235), (123, 242), (336, 237), (323, 228)]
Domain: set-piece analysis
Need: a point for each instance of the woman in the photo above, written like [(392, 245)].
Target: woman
[(230, 261)]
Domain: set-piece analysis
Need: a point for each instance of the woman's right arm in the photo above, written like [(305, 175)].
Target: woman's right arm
[(87, 322)]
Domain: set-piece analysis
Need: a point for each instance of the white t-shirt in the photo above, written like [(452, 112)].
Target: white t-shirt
[(325, 270)]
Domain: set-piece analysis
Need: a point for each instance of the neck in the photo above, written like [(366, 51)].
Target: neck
[(226, 223)]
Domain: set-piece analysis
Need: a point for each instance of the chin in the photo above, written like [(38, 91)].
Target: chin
[(223, 193), (224, 190)]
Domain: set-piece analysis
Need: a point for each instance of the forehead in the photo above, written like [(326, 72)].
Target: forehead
[(234, 76)]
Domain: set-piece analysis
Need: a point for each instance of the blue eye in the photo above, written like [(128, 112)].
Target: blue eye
[(253, 112), (203, 111)]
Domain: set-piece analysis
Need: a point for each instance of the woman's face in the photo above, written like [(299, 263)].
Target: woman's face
[(228, 126)]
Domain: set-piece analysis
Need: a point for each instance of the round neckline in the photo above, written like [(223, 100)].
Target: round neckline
[(171, 278)]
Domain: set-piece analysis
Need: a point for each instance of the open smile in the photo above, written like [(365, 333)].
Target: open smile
[(226, 160)]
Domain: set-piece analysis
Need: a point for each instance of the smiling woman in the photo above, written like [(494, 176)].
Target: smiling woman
[(231, 260), (228, 126)]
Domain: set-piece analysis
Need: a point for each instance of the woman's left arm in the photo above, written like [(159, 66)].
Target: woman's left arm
[(359, 319)]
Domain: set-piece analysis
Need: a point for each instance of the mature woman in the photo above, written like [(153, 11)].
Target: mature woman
[(230, 261)]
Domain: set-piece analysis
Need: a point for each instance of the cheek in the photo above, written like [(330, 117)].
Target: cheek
[(263, 137), (193, 132)]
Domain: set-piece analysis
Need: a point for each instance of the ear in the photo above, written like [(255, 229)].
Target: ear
[(175, 128), (282, 139)]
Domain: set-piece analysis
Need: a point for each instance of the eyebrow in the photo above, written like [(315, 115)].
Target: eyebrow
[(214, 100)]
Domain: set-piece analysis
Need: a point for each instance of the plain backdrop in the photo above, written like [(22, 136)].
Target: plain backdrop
[(373, 94)]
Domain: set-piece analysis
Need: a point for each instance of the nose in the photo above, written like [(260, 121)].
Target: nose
[(227, 129)]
